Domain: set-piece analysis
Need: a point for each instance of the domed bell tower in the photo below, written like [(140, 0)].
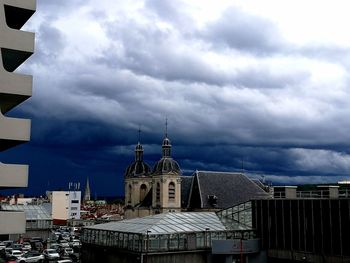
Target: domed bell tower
[(166, 181), (138, 180)]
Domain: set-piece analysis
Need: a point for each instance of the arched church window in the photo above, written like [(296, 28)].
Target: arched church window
[(143, 192), (130, 193), (171, 191), (158, 192)]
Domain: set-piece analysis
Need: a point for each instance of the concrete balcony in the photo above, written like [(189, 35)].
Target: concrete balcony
[(16, 46), (13, 176), (18, 12), (14, 89), (12, 222), (13, 132)]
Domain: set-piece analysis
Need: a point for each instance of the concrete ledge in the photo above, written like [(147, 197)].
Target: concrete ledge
[(24, 4), (13, 176), (16, 45), (13, 131), (14, 89), (12, 222)]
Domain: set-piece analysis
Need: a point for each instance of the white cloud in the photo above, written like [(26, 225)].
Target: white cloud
[(321, 161)]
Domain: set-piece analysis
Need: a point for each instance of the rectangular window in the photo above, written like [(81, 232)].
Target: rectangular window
[(75, 201)]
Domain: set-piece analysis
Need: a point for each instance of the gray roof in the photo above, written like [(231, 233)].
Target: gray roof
[(229, 189), (186, 183), (32, 212), (166, 223)]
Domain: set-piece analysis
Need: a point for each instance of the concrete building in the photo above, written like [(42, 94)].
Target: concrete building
[(66, 205), (16, 46), (38, 220)]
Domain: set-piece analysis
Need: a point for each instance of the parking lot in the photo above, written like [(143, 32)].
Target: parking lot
[(63, 246)]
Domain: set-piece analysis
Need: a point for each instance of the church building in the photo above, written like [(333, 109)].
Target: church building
[(154, 191), (164, 189)]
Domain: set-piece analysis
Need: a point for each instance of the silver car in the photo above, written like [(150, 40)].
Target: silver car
[(31, 257), (51, 254)]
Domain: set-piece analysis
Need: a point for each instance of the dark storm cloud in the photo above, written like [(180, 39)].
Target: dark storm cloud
[(234, 92), (148, 50)]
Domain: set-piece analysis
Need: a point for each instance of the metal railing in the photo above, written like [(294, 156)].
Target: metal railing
[(315, 194)]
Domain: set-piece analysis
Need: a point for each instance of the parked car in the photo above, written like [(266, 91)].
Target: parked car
[(36, 239), (8, 243), (8, 250), (55, 246), (75, 243), (17, 246), (16, 253), (32, 256), (2, 246), (64, 261), (67, 251), (51, 254), (26, 246), (37, 245), (63, 243)]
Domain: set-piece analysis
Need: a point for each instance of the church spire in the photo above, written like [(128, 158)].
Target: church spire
[(166, 127), (166, 146), (139, 148), (87, 193)]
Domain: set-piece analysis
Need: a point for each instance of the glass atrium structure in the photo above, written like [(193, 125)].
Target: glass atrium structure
[(167, 232), (37, 217), (237, 217)]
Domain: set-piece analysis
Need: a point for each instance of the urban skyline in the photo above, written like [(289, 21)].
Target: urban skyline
[(265, 85)]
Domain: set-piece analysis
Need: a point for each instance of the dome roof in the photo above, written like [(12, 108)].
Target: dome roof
[(137, 169), (166, 165)]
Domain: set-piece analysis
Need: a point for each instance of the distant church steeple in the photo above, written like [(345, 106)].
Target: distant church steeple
[(87, 193)]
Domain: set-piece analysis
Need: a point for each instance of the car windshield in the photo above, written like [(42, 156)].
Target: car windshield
[(51, 251)]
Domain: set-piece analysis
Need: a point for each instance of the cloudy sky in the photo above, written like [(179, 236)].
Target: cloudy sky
[(263, 83)]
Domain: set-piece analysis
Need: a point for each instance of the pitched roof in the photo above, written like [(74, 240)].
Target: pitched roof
[(224, 189), (186, 183)]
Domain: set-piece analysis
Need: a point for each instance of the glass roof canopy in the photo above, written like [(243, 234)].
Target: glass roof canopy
[(172, 231), (32, 212), (166, 223)]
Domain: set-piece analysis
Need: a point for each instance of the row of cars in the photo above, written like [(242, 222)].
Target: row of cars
[(61, 247)]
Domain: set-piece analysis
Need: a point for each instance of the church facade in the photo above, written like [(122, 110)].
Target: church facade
[(164, 189), (154, 191)]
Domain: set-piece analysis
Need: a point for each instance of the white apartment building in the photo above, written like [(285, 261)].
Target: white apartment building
[(66, 205)]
